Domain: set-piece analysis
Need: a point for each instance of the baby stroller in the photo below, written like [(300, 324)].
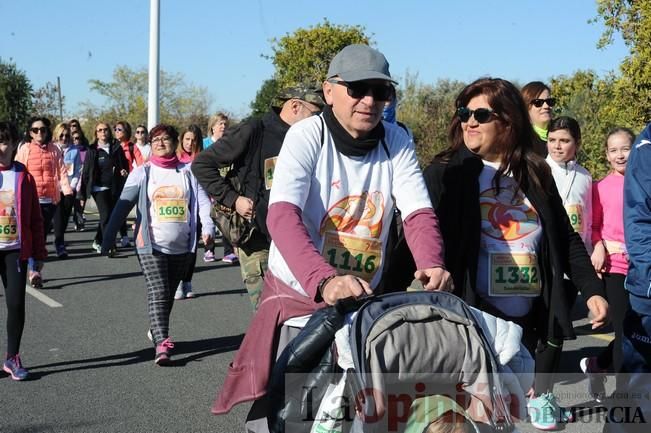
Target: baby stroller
[(403, 347)]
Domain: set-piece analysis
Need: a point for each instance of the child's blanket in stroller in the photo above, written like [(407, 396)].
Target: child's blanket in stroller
[(404, 346)]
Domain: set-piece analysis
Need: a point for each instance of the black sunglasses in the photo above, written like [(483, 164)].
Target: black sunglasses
[(140, 132), (481, 115), (42, 130), (539, 102), (359, 89)]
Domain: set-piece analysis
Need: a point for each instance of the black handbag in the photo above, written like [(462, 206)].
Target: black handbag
[(233, 226)]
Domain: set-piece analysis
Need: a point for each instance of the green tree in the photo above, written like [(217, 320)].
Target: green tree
[(588, 98), (126, 99), (46, 102), (631, 19), (15, 94), (265, 97), (304, 56), (427, 111)]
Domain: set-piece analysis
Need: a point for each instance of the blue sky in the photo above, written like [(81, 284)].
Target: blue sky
[(218, 44)]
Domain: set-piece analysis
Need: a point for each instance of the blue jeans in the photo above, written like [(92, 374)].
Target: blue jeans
[(630, 410)]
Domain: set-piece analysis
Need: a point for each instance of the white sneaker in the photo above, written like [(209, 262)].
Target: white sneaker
[(187, 288), (125, 242), (179, 294), (97, 247)]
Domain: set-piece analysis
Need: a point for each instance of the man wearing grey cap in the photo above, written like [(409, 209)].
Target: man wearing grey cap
[(251, 149), (338, 178)]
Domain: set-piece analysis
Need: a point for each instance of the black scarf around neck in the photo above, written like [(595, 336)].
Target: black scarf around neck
[(345, 143)]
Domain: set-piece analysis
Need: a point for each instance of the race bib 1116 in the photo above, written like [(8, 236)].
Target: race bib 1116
[(353, 255)]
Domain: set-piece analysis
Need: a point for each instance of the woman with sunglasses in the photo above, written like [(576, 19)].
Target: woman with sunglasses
[(537, 97), (142, 142), (21, 238), (508, 240), (72, 162), (104, 166), (134, 159), (44, 161), (169, 202)]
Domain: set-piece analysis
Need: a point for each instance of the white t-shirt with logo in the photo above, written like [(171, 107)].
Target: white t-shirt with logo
[(574, 185), (169, 210), (9, 236), (508, 272), (347, 202)]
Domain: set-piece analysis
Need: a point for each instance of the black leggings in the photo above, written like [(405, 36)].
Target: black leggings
[(47, 211), (61, 217), (14, 276), (104, 202), (618, 305)]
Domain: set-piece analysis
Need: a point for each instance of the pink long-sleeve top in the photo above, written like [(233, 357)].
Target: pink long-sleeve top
[(608, 221)]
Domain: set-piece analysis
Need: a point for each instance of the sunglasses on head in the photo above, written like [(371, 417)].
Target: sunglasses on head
[(539, 102), (42, 130), (481, 115), (359, 89)]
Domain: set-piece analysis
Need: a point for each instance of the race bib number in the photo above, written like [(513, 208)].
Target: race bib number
[(575, 213), (269, 167), (8, 229), (353, 255), (70, 168), (171, 210), (514, 274)]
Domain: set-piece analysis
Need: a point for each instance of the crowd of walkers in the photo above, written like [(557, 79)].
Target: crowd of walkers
[(337, 207)]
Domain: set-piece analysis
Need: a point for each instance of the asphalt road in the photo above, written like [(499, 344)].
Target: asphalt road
[(92, 367)]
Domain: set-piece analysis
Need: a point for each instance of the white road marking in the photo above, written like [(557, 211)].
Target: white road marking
[(43, 298)]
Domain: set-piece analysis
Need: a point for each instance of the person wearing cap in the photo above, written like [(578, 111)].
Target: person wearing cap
[(338, 177), (252, 148)]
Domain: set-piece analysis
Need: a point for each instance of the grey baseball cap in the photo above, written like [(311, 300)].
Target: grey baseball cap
[(360, 62), (306, 93)]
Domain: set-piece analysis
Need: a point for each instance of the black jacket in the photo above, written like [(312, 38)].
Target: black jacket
[(245, 148), (454, 190), (540, 146), (119, 162)]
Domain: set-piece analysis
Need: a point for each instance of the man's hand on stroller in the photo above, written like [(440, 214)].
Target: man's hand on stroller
[(344, 286), (435, 279)]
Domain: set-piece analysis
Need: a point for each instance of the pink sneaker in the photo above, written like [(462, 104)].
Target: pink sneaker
[(14, 367), (163, 352)]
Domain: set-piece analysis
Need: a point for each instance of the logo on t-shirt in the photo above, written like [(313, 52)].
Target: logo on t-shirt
[(506, 216)]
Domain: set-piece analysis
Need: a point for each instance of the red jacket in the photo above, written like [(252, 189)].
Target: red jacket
[(30, 221), (133, 156)]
